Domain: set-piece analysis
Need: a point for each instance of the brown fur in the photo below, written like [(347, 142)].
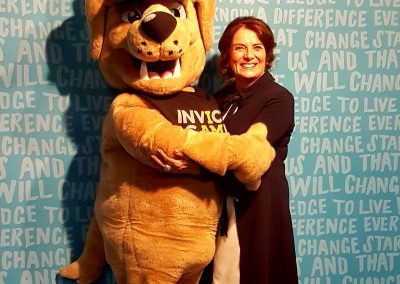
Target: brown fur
[(153, 227)]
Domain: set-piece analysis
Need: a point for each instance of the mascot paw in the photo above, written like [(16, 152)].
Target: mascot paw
[(258, 131), (253, 186), (252, 167)]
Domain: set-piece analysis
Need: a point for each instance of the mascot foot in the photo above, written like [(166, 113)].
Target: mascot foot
[(74, 271), (62, 280), (71, 271)]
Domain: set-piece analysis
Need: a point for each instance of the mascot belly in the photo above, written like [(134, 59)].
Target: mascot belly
[(167, 232)]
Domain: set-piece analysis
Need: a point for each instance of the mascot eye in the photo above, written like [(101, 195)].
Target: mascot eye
[(178, 11), (131, 16)]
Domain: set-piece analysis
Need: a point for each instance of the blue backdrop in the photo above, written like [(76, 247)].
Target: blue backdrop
[(339, 58)]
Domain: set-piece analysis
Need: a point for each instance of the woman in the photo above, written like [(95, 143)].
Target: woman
[(259, 246)]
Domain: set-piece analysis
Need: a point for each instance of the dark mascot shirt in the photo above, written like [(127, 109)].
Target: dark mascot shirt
[(264, 225), (193, 110)]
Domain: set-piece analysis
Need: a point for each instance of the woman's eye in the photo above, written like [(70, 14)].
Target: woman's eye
[(238, 48), (178, 11), (131, 16)]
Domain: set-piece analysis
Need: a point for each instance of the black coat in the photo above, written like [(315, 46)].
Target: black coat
[(267, 253)]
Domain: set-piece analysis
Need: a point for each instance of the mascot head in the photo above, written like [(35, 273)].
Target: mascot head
[(154, 46)]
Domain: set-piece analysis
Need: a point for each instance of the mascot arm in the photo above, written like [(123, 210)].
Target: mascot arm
[(249, 155), (142, 130)]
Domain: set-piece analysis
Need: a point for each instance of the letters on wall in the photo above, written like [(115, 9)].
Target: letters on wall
[(339, 58)]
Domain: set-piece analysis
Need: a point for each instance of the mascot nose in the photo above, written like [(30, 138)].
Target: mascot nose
[(159, 25)]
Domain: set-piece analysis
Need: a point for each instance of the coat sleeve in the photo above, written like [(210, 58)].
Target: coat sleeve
[(278, 114)]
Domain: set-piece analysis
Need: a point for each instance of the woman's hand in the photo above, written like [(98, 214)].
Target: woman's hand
[(179, 163)]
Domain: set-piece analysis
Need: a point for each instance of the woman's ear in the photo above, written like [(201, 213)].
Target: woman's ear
[(205, 10)]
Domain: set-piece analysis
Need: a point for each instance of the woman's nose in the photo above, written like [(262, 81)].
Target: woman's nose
[(249, 52)]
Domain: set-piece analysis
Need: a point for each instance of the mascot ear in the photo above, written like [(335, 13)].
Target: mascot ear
[(205, 14), (95, 14)]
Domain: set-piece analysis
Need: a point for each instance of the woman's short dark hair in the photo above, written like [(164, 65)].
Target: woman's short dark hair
[(262, 30)]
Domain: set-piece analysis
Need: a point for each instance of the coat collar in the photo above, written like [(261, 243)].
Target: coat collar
[(261, 82)]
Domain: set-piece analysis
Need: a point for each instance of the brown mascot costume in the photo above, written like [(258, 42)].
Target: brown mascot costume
[(152, 226)]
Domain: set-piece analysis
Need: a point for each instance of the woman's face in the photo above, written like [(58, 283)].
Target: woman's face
[(247, 57)]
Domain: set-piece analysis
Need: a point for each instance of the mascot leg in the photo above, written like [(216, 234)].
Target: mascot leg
[(149, 277), (90, 264), (140, 275), (193, 277)]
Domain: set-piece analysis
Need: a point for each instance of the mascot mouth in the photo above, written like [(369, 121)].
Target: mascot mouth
[(158, 69)]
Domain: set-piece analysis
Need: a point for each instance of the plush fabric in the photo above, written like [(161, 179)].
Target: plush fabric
[(152, 226)]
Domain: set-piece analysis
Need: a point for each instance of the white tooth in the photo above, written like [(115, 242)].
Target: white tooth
[(168, 75), (154, 75), (177, 69), (144, 75)]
